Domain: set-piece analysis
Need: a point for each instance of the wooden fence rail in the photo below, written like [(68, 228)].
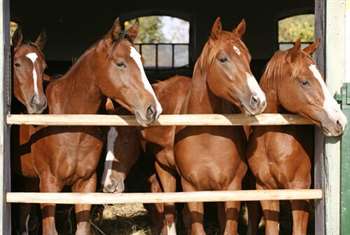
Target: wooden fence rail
[(202, 196), (164, 120)]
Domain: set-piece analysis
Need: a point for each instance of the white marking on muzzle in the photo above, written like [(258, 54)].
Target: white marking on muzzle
[(255, 88), (330, 105), (171, 229), (137, 58), (110, 157), (33, 56), (237, 50)]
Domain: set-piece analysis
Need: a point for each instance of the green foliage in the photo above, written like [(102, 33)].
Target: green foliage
[(149, 31), (292, 28)]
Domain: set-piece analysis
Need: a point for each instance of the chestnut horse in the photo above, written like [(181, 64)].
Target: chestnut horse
[(124, 143), (213, 157), (28, 66), (280, 156), (28, 63), (69, 156), (226, 74)]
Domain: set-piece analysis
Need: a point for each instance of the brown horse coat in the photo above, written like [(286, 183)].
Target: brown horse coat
[(69, 155), (280, 156)]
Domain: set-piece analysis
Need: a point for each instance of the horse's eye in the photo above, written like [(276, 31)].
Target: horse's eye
[(121, 65), (223, 59), (17, 64), (305, 82)]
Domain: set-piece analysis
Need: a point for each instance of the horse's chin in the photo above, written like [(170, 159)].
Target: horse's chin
[(141, 120), (248, 111), (40, 110), (331, 132), (37, 108)]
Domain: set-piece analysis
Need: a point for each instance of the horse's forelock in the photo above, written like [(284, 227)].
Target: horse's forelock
[(207, 56), (32, 44), (123, 34)]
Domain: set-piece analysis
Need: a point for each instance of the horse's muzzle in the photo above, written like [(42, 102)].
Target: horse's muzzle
[(148, 116), (256, 105), (114, 187), (37, 105)]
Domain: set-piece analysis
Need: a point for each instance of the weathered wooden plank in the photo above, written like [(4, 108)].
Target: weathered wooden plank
[(164, 120), (335, 73), (5, 185), (203, 196), (320, 22)]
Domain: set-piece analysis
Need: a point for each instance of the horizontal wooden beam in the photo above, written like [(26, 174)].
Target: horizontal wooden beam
[(203, 196), (164, 120)]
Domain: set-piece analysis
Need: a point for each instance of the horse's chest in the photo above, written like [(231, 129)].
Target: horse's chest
[(282, 158), (209, 159), (68, 155)]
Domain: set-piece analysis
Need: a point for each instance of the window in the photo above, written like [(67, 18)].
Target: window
[(163, 41), (294, 27)]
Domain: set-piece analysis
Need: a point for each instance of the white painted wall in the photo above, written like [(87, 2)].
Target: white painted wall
[(347, 42), (335, 76)]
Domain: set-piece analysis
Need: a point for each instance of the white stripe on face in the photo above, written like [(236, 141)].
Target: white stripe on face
[(330, 105), (137, 58), (33, 56), (255, 88), (110, 157), (237, 50)]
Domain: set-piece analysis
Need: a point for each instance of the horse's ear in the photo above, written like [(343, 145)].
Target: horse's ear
[(312, 47), (134, 30), (41, 40), (216, 28), (109, 106), (115, 30), (293, 52), (240, 29), (17, 37)]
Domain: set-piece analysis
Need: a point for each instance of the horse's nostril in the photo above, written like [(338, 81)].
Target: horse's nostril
[(151, 112), (254, 101), (110, 188), (35, 100), (339, 125)]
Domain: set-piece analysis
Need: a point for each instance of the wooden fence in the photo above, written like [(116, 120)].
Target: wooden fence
[(164, 120)]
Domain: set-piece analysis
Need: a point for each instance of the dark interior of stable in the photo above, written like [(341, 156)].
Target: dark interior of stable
[(72, 26)]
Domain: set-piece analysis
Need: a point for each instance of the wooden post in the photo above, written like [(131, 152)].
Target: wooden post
[(5, 186), (345, 145), (320, 20), (335, 73)]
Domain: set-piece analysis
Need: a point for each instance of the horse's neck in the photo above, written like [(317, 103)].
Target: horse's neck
[(202, 100), (76, 92)]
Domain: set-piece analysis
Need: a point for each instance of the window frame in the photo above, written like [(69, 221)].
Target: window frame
[(191, 44), (292, 13)]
